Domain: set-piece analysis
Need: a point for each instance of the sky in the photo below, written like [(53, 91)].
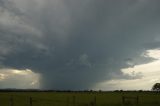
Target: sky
[(79, 44)]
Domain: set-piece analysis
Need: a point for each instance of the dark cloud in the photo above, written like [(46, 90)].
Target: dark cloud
[(77, 44)]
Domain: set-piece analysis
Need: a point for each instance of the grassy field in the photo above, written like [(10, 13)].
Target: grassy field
[(79, 99)]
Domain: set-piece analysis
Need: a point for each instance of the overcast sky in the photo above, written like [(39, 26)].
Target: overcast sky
[(79, 44)]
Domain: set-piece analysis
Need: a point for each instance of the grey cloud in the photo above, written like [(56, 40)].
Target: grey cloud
[(84, 60), (77, 44)]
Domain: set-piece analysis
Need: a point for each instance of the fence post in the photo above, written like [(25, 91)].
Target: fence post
[(11, 101), (137, 99), (30, 101), (123, 99), (74, 101), (67, 101), (95, 101)]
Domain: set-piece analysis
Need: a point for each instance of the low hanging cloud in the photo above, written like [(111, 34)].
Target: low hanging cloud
[(76, 44)]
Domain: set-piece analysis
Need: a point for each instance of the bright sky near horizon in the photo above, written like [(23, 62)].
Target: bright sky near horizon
[(148, 74)]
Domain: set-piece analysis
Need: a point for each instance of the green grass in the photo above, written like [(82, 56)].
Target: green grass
[(78, 99)]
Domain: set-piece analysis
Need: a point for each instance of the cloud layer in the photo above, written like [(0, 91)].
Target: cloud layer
[(24, 79), (77, 44)]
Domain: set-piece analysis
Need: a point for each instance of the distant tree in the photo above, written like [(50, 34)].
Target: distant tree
[(140, 91), (156, 87)]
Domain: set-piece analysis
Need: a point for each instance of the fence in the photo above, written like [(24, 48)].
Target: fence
[(127, 100), (17, 100)]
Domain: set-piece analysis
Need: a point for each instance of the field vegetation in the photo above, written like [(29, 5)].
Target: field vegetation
[(116, 98)]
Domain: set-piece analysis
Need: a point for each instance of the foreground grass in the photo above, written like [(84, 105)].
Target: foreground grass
[(79, 99)]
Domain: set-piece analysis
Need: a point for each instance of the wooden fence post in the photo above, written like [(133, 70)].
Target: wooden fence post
[(30, 101), (74, 101), (137, 99), (67, 101), (95, 101), (123, 100), (11, 101)]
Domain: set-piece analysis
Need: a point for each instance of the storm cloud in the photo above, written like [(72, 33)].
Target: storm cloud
[(75, 44)]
